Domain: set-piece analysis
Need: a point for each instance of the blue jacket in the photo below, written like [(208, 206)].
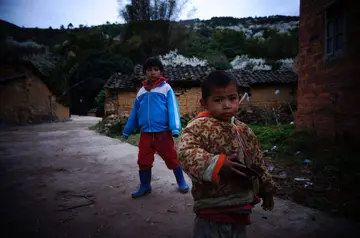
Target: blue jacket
[(156, 110)]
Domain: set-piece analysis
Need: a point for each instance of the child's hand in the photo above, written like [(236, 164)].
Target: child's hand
[(230, 167), (268, 202)]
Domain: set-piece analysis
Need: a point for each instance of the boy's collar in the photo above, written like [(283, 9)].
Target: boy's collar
[(207, 114), (148, 85), (203, 114)]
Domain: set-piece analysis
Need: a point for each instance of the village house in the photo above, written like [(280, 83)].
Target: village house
[(328, 69), (261, 86), (25, 96)]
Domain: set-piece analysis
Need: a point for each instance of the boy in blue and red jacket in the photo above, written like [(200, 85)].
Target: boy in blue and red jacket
[(156, 112)]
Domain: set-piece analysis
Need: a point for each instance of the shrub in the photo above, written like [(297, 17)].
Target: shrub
[(266, 116), (112, 125)]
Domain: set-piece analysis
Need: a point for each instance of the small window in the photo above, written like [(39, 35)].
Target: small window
[(335, 29)]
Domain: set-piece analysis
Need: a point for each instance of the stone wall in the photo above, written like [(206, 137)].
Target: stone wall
[(328, 98)]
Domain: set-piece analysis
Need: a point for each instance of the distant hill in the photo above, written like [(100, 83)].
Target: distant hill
[(47, 37), (252, 27), (7, 27)]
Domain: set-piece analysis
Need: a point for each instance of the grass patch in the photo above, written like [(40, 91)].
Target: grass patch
[(133, 139), (284, 141), (332, 171), (98, 126)]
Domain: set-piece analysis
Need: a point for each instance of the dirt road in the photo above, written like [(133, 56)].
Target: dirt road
[(63, 180)]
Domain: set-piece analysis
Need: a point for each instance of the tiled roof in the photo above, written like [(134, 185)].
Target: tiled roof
[(120, 81), (178, 73), (172, 73), (185, 74), (247, 78), (39, 69)]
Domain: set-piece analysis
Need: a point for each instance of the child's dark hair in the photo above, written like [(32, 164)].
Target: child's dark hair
[(216, 79), (153, 62)]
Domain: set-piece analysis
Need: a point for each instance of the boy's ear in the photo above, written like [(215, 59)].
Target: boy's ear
[(203, 103)]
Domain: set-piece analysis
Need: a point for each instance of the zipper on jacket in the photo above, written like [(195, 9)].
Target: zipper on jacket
[(149, 111)]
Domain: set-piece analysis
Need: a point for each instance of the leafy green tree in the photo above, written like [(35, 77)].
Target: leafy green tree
[(91, 75), (218, 60), (231, 43), (100, 103)]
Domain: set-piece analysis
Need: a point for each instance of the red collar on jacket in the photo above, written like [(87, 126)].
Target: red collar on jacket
[(148, 85)]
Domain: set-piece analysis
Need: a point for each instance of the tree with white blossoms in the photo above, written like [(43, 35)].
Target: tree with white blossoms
[(175, 59), (286, 64), (246, 63)]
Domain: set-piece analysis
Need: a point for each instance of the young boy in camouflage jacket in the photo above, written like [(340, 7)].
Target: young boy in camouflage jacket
[(223, 158)]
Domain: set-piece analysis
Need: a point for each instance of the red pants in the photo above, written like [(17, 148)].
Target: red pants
[(160, 142)]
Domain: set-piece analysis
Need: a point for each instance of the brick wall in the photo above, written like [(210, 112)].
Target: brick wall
[(40, 99), (188, 99), (265, 97), (28, 100), (62, 112), (13, 98), (125, 102), (121, 102), (328, 98)]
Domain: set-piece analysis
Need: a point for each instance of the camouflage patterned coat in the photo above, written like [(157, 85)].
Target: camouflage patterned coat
[(202, 148)]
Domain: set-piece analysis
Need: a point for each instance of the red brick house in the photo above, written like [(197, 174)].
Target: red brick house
[(328, 69)]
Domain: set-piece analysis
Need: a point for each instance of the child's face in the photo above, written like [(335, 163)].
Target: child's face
[(153, 73), (223, 103)]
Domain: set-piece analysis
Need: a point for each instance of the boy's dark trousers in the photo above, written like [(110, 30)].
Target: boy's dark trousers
[(160, 142), (163, 144)]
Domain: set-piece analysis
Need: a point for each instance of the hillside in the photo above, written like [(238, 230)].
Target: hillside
[(252, 27), (47, 37), (78, 61)]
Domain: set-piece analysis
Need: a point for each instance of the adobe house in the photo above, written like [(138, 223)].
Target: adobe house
[(186, 80), (267, 89), (25, 96), (328, 69)]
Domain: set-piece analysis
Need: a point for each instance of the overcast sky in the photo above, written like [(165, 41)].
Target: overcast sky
[(45, 13)]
